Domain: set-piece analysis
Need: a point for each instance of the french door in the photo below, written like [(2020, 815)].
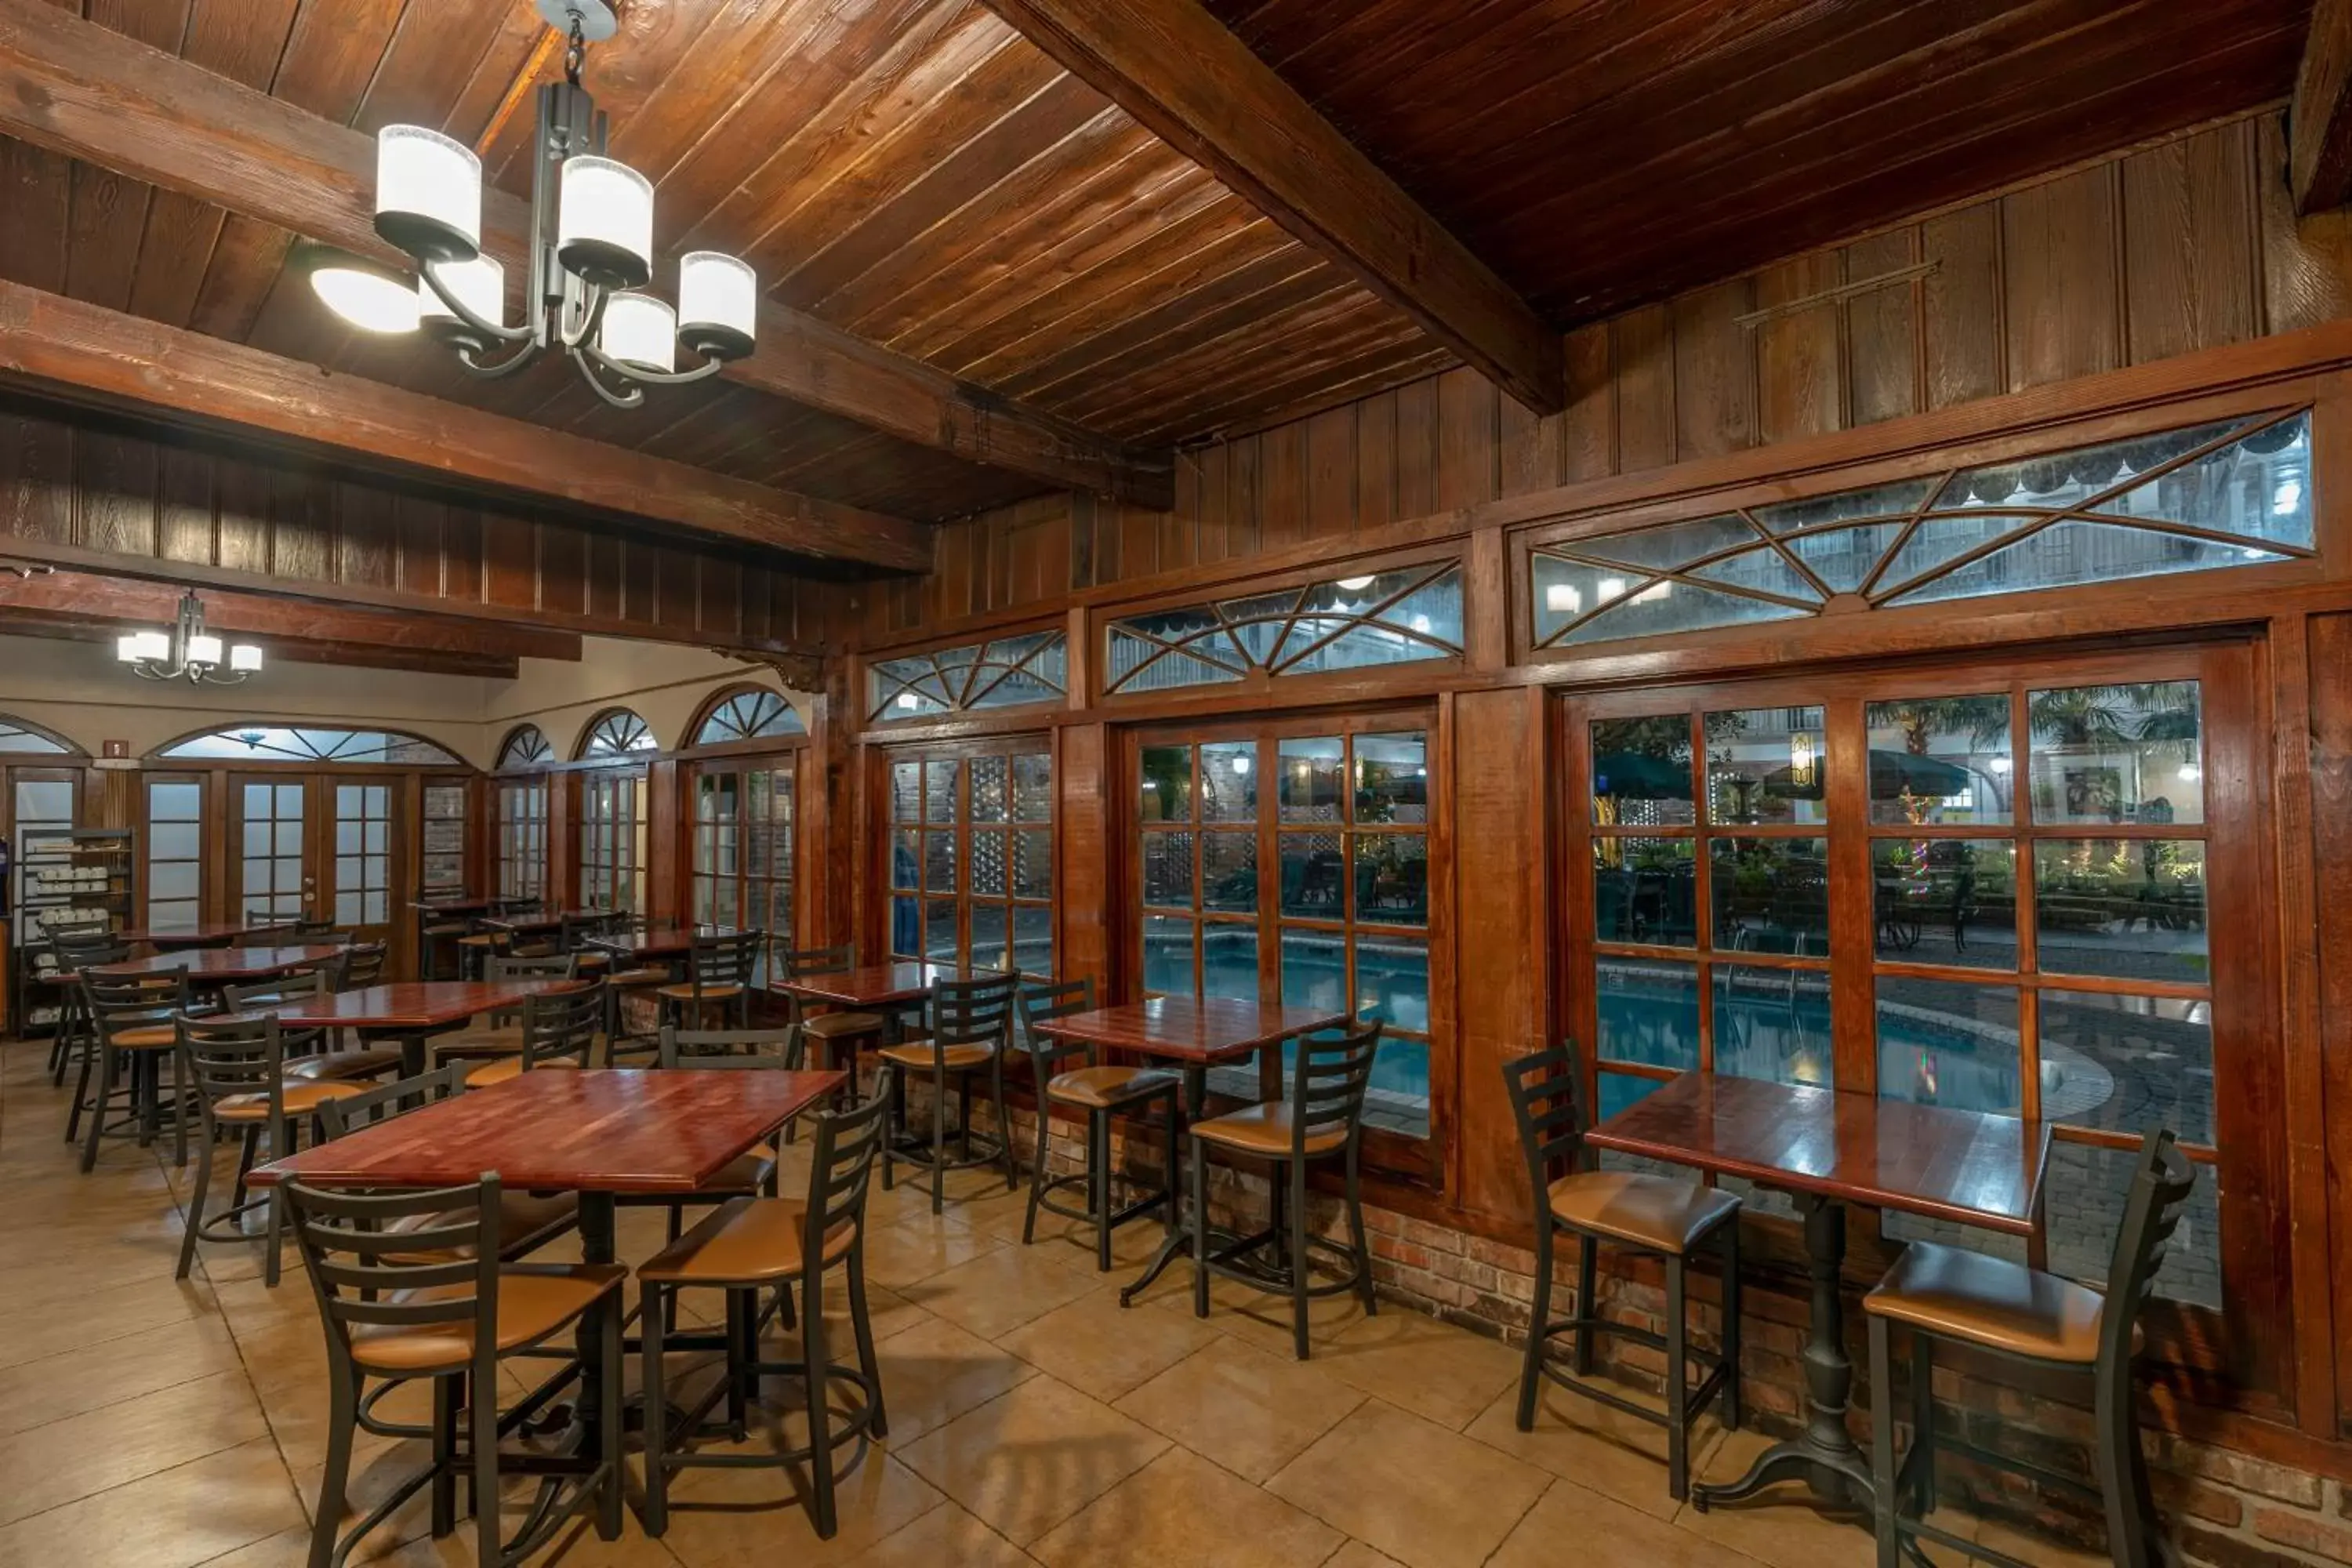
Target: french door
[(318, 847), (971, 855), (743, 844)]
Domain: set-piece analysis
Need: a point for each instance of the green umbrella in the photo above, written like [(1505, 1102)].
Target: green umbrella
[(1892, 775), (1637, 776)]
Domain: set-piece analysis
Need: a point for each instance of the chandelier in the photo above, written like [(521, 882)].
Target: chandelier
[(592, 252), (187, 650)]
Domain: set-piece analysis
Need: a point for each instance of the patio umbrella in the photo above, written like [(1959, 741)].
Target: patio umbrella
[(1892, 775), (1637, 776)]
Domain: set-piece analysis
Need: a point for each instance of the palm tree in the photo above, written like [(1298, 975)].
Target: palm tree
[(1922, 719)]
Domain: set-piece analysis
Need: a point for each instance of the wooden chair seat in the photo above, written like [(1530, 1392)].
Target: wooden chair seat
[(479, 938), (534, 1302), (843, 1025), (1653, 1212), (749, 1241), (525, 1220), (1992, 1302), (1263, 1131), (746, 1175), (1103, 1089), (624, 979), (300, 1097), (920, 1055), (368, 1061), (499, 1069), (475, 1044), (684, 991), (157, 1038)]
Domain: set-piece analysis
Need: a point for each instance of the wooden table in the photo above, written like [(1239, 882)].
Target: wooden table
[(453, 906), (223, 965), (876, 987), (1196, 1036), (196, 936), (659, 943), (410, 1010), (599, 1133), (1830, 1149), (539, 923)]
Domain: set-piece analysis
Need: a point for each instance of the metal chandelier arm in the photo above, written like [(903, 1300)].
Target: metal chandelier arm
[(458, 307), (587, 359), (592, 317), (709, 367), (514, 362)]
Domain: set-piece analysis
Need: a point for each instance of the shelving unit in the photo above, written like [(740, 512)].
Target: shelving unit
[(73, 880)]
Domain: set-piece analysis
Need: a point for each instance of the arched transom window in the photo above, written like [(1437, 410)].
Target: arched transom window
[(526, 747), (269, 742), (748, 716), (616, 733)]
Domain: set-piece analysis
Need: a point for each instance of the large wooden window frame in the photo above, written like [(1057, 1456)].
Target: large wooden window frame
[(749, 898), (2247, 1340), (611, 843), (960, 831)]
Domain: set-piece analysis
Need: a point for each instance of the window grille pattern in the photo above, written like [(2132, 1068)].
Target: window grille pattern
[(526, 747), (260, 742), (16, 738), (1390, 617), (617, 732), (2233, 493), (1005, 673), (748, 716)]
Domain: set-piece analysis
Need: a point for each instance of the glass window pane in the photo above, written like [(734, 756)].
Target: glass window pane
[(1938, 761), (174, 801), (1645, 891), (940, 930), (2125, 1064), (939, 789), (1032, 864), (1033, 939), (289, 836), (1229, 961), (1393, 981), (1310, 790), (939, 863), (992, 797), (2085, 1193), (2131, 908), (906, 926), (1397, 1098), (1033, 787), (347, 910), (906, 791), (1771, 895), (1392, 879), (2117, 753), (1944, 1042), (905, 857), (347, 837), (257, 800), (1641, 772), (257, 838), (1648, 1012), (172, 879), (1315, 970), (1767, 765), (1168, 869), (1229, 872), (1311, 876), (988, 863), (1773, 1024), (1229, 782), (1945, 900), (289, 800), (1166, 955), (1166, 791), (1620, 1090), (1391, 778), (991, 927)]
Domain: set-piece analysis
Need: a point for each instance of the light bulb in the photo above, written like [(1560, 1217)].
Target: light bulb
[(1355, 585), (203, 648), (718, 305), (639, 330), (479, 284), (604, 223), (364, 295), (428, 194), (1241, 765), (244, 656), (156, 646), (1999, 765), (908, 699), (126, 647)]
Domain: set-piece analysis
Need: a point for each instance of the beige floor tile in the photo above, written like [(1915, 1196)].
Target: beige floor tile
[(1103, 1349), (947, 1537), (1783, 1526), (1256, 1316), (1072, 1241), (1181, 1507), (71, 1382), (1250, 1412), (753, 1518), (1600, 1449), (31, 1333), (1433, 1369), (1028, 1460), (172, 1519), (1608, 1535), (997, 1291), (1356, 1554), (934, 1372), (46, 1465), (1428, 1496), (898, 1255)]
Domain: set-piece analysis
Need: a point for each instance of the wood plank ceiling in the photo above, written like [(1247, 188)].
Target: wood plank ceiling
[(916, 174)]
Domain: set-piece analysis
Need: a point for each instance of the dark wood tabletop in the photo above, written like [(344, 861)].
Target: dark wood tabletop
[(594, 1131), (411, 1004), (659, 941), (218, 964), (535, 921), (453, 906), (877, 985), (195, 936), (1210, 1030), (1964, 1165)]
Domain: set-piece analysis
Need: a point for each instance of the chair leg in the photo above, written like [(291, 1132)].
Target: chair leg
[(893, 1126), (89, 1065), (1730, 1401), (1037, 1174), (274, 1233), (862, 1325), (1881, 1445), (1587, 1280), (2122, 1472), (444, 1454), (610, 1500), (813, 1357), (940, 1134), (1363, 1250), (179, 1114), (482, 1421), (1540, 1315), (740, 1305), (1923, 1422), (1004, 1123), (1170, 1181), (195, 1213), (1677, 1384), (650, 1307), (342, 1420), (1099, 1158), (1197, 1218), (107, 1068), (1296, 1177)]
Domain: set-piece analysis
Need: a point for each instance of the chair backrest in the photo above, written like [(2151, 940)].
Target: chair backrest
[(1327, 1083), (1042, 1001), (841, 1169), (370, 1270), (557, 966), (973, 1012), (1547, 1103), (264, 929), (117, 1002), (314, 929), (578, 926), (729, 960), (79, 949), (2161, 1182), (562, 1024), (261, 995), (832, 960), (225, 1058), (729, 1047), (384, 1102), (360, 966)]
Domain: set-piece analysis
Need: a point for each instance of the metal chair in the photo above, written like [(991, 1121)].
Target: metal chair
[(1099, 1093), (73, 952), (1656, 1216), (558, 1030), (132, 1023), (844, 1032), (502, 1034), (2039, 1323), (720, 971), (1322, 1118), (970, 1028)]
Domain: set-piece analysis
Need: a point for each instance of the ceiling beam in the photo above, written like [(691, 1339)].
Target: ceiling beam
[(92, 354), (1177, 70), (82, 90), (2320, 127)]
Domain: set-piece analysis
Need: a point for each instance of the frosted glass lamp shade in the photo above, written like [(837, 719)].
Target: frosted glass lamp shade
[(364, 295), (428, 194), (479, 284), (203, 648), (126, 648), (244, 655), (604, 223), (639, 330), (156, 646), (718, 305)]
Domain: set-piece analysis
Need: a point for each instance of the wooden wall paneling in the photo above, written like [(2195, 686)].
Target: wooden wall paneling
[(114, 493), (1331, 508), (607, 577), (2327, 742), (509, 561), (1714, 387), (1800, 357), (1962, 335), (2059, 256), (1468, 457), (2306, 263), (666, 832), (423, 521), (562, 569), (677, 582), (2190, 268), (1528, 445), (183, 520), (718, 603), (563, 836), (1241, 508), (301, 526), (1588, 447), (37, 184), (1882, 364), (1085, 906), (242, 542), (1646, 389), (1416, 448), (461, 554), (1282, 485), (367, 535), (36, 470)]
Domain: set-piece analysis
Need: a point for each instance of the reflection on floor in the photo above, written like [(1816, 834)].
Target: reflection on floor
[(145, 1423)]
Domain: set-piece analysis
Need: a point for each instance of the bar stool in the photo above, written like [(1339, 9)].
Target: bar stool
[(1100, 1093), (75, 951), (627, 983), (237, 1071), (573, 938), (1655, 1216), (558, 1030), (753, 1245), (449, 1310), (2033, 1319), (720, 972), (847, 1032), (970, 1028), (503, 1037), (131, 1022), (748, 1175), (1323, 1117)]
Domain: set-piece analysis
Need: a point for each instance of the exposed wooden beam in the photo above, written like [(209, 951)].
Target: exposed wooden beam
[(83, 89), (2319, 150), (89, 352), (1178, 69), (87, 606)]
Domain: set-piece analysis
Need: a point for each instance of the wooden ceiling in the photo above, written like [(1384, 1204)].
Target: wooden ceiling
[(918, 174)]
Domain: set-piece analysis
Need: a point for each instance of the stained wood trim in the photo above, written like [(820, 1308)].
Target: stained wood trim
[(2319, 125), (122, 362), (1177, 70), (84, 90)]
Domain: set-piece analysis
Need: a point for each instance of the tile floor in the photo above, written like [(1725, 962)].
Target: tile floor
[(149, 1424)]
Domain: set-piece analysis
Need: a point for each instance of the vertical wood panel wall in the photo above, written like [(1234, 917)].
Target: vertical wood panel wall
[(2187, 244)]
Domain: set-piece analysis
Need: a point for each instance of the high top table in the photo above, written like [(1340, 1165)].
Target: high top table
[(1827, 1148), (659, 944), (213, 935), (1195, 1034), (410, 1010), (599, 1133), (223, 965)]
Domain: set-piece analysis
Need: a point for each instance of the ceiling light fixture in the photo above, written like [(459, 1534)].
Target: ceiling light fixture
[(592, 252), (186, 652)]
